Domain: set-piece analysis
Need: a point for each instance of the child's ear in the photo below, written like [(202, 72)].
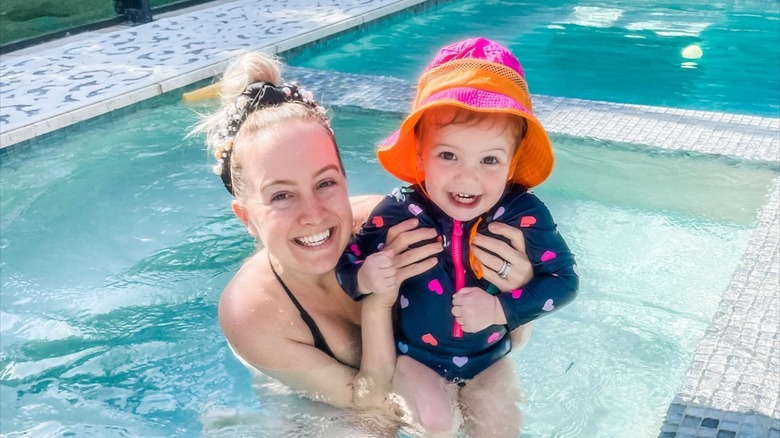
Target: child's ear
[(243, 215)]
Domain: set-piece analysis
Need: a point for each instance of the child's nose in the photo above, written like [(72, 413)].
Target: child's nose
[(466, 174)]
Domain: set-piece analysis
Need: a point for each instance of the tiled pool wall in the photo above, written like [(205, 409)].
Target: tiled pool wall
[(732, 386)]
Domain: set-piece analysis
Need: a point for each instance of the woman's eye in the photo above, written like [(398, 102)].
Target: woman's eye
[(326, 183), (280, 197), (447, 155), (490, 160)]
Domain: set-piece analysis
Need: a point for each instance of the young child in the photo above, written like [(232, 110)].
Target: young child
[(472, 148)]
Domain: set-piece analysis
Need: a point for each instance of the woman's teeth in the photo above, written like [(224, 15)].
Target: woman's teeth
[(463, 198), (314, 239)]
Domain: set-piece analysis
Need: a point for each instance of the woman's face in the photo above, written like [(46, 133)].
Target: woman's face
[(296, 196)]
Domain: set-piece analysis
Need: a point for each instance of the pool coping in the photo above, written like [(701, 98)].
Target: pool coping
[(719, 396)]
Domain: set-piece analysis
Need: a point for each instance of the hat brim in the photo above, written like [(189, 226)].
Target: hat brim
[(398, 153)]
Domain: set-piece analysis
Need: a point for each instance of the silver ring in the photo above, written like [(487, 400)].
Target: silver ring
[(504, 271)]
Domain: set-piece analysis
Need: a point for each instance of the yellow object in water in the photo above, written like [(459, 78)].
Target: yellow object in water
[(207, 92), (692, 52)]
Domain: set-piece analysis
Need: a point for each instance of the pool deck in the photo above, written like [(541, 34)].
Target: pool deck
[(732, 387)]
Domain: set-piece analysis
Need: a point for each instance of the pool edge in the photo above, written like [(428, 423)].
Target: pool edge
[(163, 85)]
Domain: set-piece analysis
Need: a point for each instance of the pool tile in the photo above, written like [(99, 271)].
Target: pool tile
[(710, 423), (690, 421)]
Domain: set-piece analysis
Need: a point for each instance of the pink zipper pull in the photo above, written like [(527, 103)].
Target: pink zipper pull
[(460, 274)]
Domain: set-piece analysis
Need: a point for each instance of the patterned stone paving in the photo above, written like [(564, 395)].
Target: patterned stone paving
[(62, 85), (731, 388)]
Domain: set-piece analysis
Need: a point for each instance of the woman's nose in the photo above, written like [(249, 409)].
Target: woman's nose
[(313, 210)]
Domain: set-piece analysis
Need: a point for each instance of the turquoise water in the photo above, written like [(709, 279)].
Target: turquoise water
[(595, 49), (114, 254)]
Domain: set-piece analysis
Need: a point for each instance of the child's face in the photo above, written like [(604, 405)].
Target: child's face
[(466, 166)]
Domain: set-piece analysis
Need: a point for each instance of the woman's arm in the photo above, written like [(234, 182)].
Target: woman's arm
[(361, 208), (278, 344), (377, 364), (267, 332)]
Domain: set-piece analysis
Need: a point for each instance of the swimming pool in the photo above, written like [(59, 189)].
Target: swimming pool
[(115, 252), (608, 50), (114, 255)]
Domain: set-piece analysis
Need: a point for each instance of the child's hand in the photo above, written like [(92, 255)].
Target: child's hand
[(475, 309), (378, 274)]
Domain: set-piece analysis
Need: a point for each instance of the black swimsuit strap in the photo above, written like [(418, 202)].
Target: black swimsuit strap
[(319, 340)]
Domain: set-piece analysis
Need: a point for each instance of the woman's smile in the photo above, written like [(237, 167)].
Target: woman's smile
[(315, 240)]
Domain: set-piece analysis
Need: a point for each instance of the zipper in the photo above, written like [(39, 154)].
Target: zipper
[(460, 273)]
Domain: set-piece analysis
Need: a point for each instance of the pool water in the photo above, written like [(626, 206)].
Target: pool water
[(114, 254), (608, 50)]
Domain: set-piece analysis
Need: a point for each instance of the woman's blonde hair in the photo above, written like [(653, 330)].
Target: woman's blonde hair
[(250, 68)]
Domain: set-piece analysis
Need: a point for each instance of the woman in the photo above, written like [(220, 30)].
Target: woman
[(284, 313)]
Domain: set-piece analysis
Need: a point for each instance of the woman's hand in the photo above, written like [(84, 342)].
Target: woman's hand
[(412, 261), (520, 270)]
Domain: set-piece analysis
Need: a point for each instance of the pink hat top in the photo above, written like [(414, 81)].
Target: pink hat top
[(477, 48)]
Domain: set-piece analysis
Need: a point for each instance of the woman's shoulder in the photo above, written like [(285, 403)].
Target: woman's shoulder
[(250, 295), (256, 317)]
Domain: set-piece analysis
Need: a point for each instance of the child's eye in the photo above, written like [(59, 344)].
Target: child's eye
[(490, 160), (447, 155)]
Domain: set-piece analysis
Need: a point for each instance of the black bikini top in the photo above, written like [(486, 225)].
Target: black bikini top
[(319, 340)]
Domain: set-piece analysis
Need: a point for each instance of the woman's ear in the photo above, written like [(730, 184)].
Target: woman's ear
[(243, 215)]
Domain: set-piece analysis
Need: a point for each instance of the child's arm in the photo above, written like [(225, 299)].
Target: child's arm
[(555, 280)]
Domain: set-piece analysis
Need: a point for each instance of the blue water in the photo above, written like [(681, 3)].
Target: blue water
[(114, 254), (595, 49)]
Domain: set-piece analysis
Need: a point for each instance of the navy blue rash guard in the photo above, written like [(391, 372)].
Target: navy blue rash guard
[(424, 327)]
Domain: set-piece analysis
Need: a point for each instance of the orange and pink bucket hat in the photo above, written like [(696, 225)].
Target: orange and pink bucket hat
[(479, 75)]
